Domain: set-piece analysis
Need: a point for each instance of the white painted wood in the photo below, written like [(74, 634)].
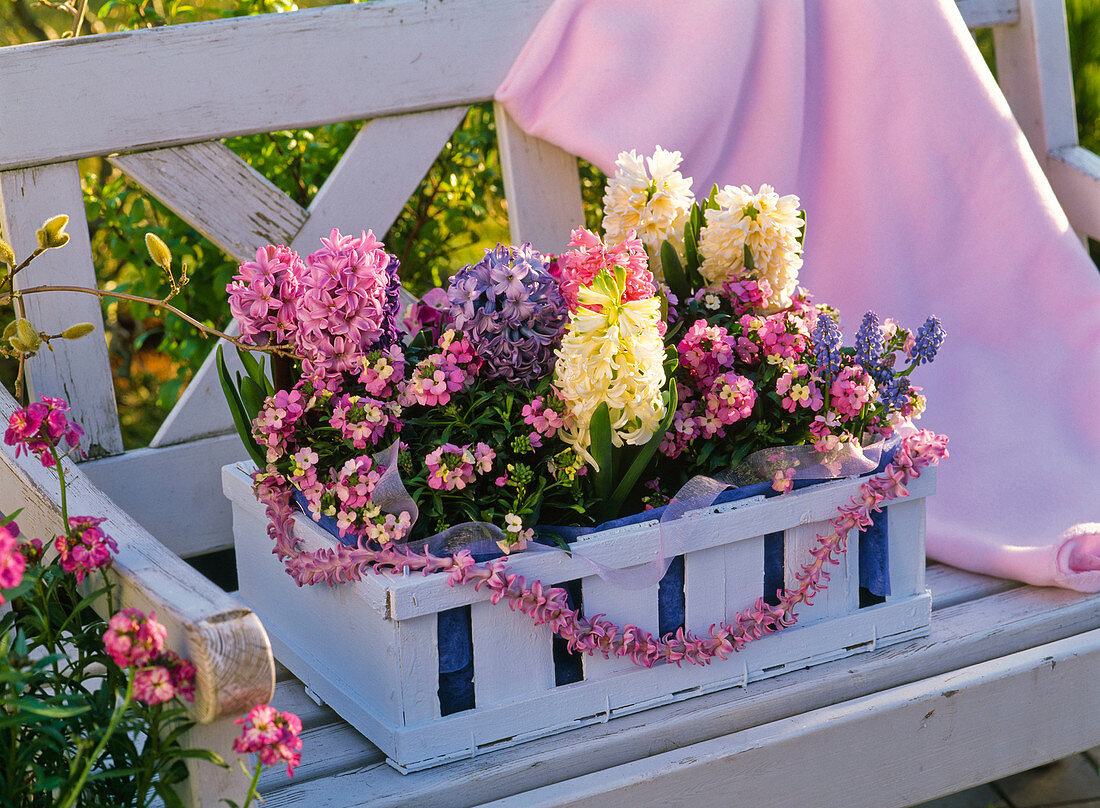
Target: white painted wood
[(929, 738), (217, 193), (417, 666), (377, 174), (1074, 174), (174, 491), (201, 411), (744, 574), (989, 13), (1033, 70), (77, 371), (966, 634), (180, 84), (705, 588), (207, 783), (637, 607), (842, 592), (542, 187), (950, 586), (512, 656), (906, 543)]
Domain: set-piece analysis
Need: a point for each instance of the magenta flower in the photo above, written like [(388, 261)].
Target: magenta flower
[(12, 562), (133, 640), (153, 685), (272, 736), (580, 265), (86, 547), (40, 427)]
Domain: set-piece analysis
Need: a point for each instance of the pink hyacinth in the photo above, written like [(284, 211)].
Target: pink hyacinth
[(263, 296), (12, 562), (347, 304), (133, 640), (272, 736), (86, 547), (580, 265)]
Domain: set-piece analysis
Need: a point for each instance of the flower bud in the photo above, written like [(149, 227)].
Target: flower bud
[(7, 254), (77, 331), (158, 251), (9, 331), (27, 334), (52, 233), (18, 345)]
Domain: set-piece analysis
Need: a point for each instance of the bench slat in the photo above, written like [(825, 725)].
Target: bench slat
[(76, 371), (167, 85), (218, 194)]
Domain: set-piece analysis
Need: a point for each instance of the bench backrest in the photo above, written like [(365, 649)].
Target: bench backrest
[(157, 102)]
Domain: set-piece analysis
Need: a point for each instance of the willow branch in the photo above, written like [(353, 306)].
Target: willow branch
[(279, 350)]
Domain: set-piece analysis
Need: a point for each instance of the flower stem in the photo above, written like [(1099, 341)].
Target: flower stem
[(252, 792), (116, 717)]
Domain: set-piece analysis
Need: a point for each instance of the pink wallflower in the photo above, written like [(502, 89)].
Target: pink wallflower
[(272, 736), (263, 296), (12, 562), (40, 427), (439, 375), (483, 458), (383, 371), (783, 335), (153, 685), (546, 421), (133, 640), (706, 351), (730, 399), (363, 420), (181, 672), (431, 313), (450, 467), (783, 480), (850, 392), (799, 390), (274, 425), (748, 296), (86, 547), (579, 266)]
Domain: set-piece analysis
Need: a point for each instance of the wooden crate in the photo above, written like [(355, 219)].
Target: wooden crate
[(369, 649)]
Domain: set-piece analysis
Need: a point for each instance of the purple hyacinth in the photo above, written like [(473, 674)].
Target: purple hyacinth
[(826, 340), (869, 343), (511, 310), (928, 340)]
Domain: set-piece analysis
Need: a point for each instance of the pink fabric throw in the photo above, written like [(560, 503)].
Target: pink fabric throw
[(922, 198)]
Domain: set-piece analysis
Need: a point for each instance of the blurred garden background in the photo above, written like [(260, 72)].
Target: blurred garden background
[(457, 211)]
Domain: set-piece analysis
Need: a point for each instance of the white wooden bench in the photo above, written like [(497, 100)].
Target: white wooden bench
[(1006, 679)]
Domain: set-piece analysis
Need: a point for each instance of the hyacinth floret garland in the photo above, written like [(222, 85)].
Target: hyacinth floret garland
[(597, 635), (509, 307)]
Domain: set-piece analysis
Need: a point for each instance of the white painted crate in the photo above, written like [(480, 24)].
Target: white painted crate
[(368, 648)]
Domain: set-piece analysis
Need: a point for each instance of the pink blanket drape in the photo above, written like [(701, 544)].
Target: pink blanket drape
[(922, 197)]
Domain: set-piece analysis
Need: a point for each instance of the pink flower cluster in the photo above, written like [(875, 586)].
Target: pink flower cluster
[(579, 266), (135, 641), (748, 295), (784, 335), (850, 392), (263, 296), (274, 425), (706, 350), (39, 429), (545, 420), (439, 375), (86, 547), (272, 736), (799, 389), (12, 562), (331, 308), (363, 420), (452, 468)]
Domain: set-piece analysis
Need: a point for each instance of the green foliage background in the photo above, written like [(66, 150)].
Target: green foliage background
[(456, 212)]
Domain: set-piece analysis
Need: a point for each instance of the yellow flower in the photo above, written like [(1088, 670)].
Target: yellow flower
[(651, 197), (769, 225), (612, 352)]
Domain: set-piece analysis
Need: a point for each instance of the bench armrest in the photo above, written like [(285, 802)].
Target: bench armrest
[(224, 641)]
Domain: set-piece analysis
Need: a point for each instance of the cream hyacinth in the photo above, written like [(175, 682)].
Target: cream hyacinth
[(612, 352), (769, 225), (655, 203)]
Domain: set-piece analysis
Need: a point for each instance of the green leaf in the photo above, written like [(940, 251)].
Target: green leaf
[(255, 372), (252, 396), (750, 264), (802, 230), (641, 460), (600, 447), (674, 272), (236, 408)]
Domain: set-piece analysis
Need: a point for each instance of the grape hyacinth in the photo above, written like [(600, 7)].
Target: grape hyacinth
[(826, 341), (512, 312), (929, 338), (869, 343)]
